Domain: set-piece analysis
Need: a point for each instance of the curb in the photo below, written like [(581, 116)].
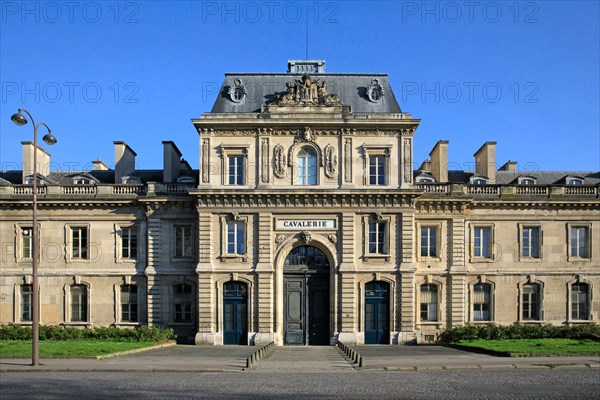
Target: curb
[(134, 351), (130, 370), (432, 368)]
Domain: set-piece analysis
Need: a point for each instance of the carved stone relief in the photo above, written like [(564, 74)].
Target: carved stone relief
[(306, 92), (331, 166), (305, 237), (407, 161), (264, 160), (205, 160), (279, 161), (348, 160)]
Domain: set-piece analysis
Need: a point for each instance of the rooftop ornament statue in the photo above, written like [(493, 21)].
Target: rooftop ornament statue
[(307, 92)]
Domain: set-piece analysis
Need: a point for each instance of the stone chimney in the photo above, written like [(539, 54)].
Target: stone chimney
[(509, 166), (439, 161), (485, 161), (425, 166), (99, 165), (171, 162), (124, 161), (43, 160)]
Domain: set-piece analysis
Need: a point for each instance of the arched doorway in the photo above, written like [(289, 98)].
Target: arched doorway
[(377, 313), (235, 313), (306, 297)]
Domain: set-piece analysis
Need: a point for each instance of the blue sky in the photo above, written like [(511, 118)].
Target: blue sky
[(524, 74)]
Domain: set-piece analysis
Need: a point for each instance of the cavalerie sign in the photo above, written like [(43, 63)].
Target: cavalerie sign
[(306, 224)]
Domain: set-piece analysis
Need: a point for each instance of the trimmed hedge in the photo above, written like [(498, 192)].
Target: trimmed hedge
[(517, 331), (54, 332)]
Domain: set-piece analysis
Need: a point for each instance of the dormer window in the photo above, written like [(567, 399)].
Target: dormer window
[(478, 180), (131, 180), (526, 180), (79, 180), (425, 179), (28, 180), (186, 179), (574, 181)]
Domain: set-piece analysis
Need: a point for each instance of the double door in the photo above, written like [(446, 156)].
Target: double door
[(306, 309)]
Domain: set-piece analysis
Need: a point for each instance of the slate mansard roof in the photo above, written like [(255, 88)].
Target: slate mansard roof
[(261, 88)]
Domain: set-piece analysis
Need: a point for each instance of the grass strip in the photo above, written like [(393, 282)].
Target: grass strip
[(534, 347), (67, 349)]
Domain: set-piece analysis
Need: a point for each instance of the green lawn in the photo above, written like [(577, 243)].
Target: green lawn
[(535, 347), (70, 348)]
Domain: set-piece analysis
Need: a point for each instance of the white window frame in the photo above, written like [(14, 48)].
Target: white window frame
[(120, 229), (121, 303), (425, 179), (480, 258), (19, 228), (589, 302), (234, 218), (69, 230), (22, 305), (178, 228), (438, 240), (367, 255), (235, 150), (524, 180), (492, 302), (296, 177), (238, 159), (588, 243), (522, 227), (540, 302), (68, 317), (420, 301), (478, 180), (574, 181), (374, 151)]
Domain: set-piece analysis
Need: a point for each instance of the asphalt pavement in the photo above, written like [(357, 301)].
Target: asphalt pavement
[(190, 358)]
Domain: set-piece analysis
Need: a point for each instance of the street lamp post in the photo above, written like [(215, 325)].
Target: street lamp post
[(20, 120)]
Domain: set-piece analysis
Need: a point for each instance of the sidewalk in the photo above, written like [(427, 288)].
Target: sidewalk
[(189, 358)]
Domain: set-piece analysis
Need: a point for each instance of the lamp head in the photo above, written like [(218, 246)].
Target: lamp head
[(49, 138), (19, 119)]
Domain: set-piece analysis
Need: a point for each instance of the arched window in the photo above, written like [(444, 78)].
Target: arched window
[(182, 302), (482, 302), (129, 303), (79, 303), (526, 180), (429, 302), (306, 167), (531, 302), (580, 301)]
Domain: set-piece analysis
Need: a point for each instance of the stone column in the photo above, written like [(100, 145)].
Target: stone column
[(347, 313), (265, 279)]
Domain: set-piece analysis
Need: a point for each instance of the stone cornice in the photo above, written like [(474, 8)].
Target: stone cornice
[(313, 198)]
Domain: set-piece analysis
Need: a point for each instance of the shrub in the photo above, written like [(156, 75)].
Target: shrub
[(55, 332), (517, 331)]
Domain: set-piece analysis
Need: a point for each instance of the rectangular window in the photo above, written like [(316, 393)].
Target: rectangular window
[(428, 241), (377, 238), (531, 302), (236, 238), (182, 301), (78, 303), (129, 243), (79, 242), (236, 170), (183, 241), (531, 242), (481, 302), (26, 303), (429, 302), (482, 245), (377, 170), (129, 303), (579, 301), (26, 243), (579, 242)]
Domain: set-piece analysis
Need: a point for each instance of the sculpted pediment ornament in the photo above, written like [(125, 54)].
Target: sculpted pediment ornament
[(304, 136), (331, 162), (307, 92)]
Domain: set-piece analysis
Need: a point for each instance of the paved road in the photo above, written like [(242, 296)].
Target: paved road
[(559, 384)]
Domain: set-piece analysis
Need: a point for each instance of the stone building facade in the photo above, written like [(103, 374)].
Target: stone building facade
[(305, 224)]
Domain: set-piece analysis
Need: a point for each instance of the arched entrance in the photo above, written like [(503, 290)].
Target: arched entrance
[(377, 313), (235, 313), (306, 297)]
